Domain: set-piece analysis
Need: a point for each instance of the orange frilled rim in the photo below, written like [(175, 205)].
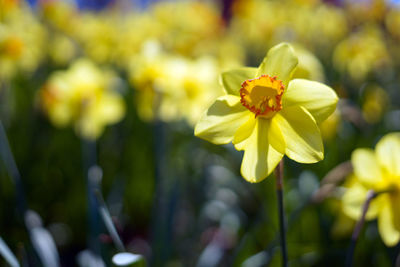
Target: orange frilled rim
[(262, 95)]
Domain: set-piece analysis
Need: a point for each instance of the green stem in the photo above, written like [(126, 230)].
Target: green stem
[(357, 229), (108, 222), (92, 184), (282, 225)]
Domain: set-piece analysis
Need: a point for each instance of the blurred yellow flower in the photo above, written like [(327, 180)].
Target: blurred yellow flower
[(172, 87), (62, 49), (189, 27), (189, 87), (309, 66), (361, 12), (8, 6), (267, 114), (82, 96), (22, 40), (329, 127), (135, 29), (63, 15), (375, 104), (378, 170), (97, 34), (256, 24), (362, 53), (392, 22)]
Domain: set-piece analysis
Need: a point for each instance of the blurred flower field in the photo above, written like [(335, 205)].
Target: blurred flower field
[(102, 104)]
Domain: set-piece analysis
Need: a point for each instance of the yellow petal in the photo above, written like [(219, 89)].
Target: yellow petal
[(319, 99), (280, 61), (259, 158), (275, 136), (89, 128), (245, 130), (354, 198), (220, 122), (61, 114), (388, 232), (232, 80), (301, 134), (111, 108), (388, 153), (366, 167)]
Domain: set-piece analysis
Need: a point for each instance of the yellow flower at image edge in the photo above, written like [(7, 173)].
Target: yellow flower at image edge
[(378, 170), (268, 115)]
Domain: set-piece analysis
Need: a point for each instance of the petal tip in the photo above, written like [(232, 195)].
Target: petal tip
[(254, 179)]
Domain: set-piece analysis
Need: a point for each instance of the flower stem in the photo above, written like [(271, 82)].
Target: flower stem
[(92, 184), (12, 169), (357, 229), (108, 222), (282, 225)]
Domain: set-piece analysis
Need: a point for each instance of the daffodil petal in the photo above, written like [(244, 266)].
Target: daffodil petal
[(366, 167), (220, 122), (259, 158), (319, 99), (353, 200), (388, 232), (388, 153), (232, 80), (112, 108), (245, 130), (301, 134), (90, 129), (280, 61), (275, 136)]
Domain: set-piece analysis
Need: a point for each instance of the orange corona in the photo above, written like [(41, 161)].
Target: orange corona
[(262, 95)]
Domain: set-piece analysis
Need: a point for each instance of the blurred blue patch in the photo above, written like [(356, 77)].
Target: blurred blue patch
[(32, 3), (93, 4), (100, 4), (393, 3)]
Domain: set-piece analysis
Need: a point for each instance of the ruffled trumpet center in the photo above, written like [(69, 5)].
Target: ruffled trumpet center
[(262, 95)]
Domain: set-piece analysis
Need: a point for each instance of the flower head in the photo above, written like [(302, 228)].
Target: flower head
[(82, 96), (22, 40), (171, 87), (378, 170), (268, 115)]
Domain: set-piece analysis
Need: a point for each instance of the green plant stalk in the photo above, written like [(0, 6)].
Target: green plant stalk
[(12, 169), (89, 160), (105, 215), (357, 229), (281, 211)]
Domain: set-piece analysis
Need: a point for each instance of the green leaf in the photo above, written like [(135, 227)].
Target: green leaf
[(232, 80)]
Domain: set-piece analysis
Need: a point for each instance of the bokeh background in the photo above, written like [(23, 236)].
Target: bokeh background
[(104, 94)]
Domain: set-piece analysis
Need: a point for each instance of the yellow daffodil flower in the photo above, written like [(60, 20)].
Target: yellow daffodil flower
[(171, 87), (257, 23), (309, 66), (22, 42), (362, 53), (267, 114), (376, 101), (61, 49), (82, 96), (378, 170), (392, 22), (190, 28)]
